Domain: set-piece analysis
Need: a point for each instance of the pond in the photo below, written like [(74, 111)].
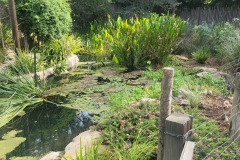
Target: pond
[(43, 129)]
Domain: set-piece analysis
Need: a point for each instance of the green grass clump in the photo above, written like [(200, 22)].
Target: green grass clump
[(201, 55)]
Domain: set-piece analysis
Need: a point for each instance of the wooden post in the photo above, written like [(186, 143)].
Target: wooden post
[(1, 33), (235, 113), (165, 108), (176, 134), (14, 24)]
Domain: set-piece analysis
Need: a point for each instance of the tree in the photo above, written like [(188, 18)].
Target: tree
[(85, 12), (44, 18)]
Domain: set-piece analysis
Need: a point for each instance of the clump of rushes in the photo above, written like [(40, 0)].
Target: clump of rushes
[(135, 41)]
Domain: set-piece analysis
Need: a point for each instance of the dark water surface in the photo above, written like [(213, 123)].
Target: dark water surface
[(46, 128)]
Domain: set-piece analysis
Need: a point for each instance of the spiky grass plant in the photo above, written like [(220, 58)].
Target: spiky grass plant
[(18, 85), (17, 91), (91, 152)]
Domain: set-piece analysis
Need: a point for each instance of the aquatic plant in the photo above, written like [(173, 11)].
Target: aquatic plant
[(135, 41)]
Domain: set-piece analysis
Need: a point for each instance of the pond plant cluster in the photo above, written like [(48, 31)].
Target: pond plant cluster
[(137, 49)]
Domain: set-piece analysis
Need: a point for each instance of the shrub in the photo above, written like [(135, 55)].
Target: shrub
[(24, 62), (228, 48), (201, 55), (44, 18), (58, 50), (86, 12), (136, 41), (201, 36)]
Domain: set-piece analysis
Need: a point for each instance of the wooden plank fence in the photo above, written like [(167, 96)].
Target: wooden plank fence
[(214, 15)]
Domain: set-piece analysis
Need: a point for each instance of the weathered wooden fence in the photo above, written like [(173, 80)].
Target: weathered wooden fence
[(215, 15), (174, 129)]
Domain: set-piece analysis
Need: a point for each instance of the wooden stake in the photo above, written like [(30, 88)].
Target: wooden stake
[(235, 113), (165, 107)]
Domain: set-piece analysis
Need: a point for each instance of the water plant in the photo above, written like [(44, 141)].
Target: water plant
[(137, 40), (58, 50)]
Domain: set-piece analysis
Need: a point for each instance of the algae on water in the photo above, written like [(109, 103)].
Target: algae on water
[(9, 142)]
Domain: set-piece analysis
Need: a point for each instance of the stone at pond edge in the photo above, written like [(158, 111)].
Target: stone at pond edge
[(52, 156), (182, 57), (87, 139), (23, 158)]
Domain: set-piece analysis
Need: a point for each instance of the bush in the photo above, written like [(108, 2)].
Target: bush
[(130, 8), (197, 37), (201, 55), (24, 62), (44, 18), (136, 41), (86, 12), (228, 48), (58, 50)]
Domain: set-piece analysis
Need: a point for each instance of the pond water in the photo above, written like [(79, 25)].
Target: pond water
[(46, 128)]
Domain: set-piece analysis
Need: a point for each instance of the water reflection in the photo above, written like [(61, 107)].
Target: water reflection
[(47, 128)]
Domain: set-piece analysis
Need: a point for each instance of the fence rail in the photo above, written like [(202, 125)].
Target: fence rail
[(215, 15)]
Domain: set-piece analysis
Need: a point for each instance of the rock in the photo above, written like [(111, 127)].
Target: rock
[(207, 69), (201, 74), (72, 62), (52, 156), (44, 74), (183, 102), (87, 139), (212, 71), (145, 101), (182, 57)]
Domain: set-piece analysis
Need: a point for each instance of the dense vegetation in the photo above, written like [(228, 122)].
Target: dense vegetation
[(43, 18), (133, 34)]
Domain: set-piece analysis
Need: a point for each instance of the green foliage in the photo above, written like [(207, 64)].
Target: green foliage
[(209, 137), (44, 18), (86, 12), (91, 152), (60, 68), (24, 62), (130, 8), (132, 131), (136, 41), (18, 85), (58, 50), (140, 150), (201, 55), (6, 34), (228, 37), (201, 36), (3, 55)]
